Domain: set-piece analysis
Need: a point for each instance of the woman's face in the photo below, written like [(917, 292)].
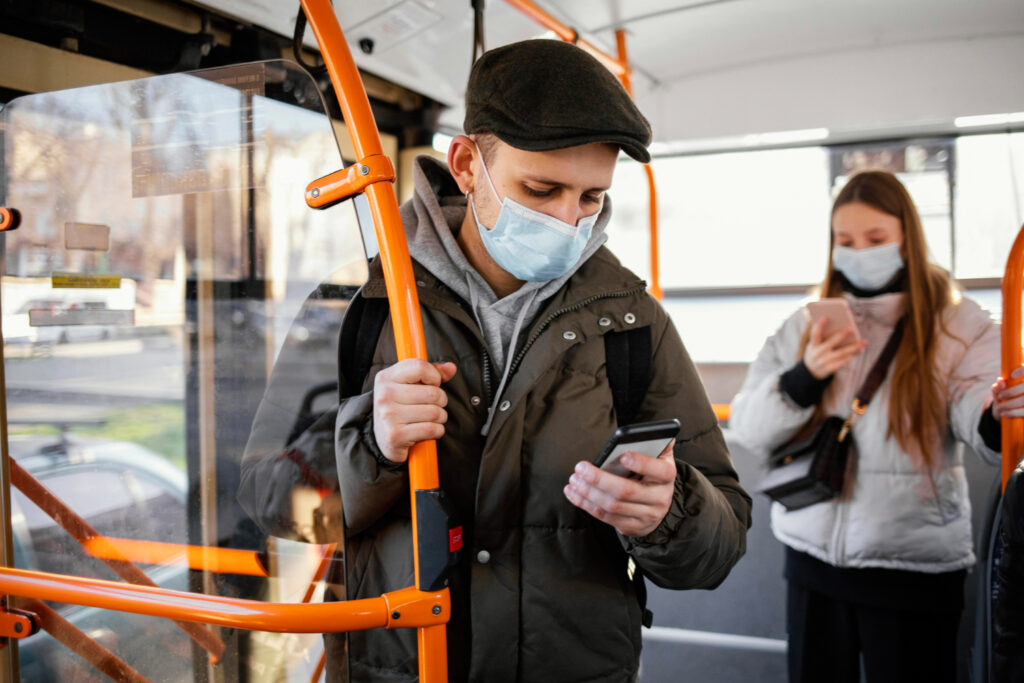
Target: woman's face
[(859, 226)]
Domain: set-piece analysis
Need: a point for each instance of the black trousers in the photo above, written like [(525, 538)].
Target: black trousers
[(829, 639)]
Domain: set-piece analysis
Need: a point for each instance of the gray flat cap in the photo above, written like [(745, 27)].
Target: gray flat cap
[(544, 94)]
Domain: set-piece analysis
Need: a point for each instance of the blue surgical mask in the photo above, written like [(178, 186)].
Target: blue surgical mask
[(531, 245), (868, 269)]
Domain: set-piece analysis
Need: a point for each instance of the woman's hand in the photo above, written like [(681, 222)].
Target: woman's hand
[(1008, 402), (824, 355), (635, 507)]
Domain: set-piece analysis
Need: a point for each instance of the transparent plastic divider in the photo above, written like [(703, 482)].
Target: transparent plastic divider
[(170, 320)]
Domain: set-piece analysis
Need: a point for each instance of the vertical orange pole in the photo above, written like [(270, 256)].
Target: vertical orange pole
[(1013, 280), (652, 192), (398, 275)]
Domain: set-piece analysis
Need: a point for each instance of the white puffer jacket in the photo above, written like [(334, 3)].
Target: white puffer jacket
[(897, 516)]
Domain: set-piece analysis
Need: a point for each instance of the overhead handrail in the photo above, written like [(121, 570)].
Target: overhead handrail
[(1012, 355), (620, 67), (569, 35)]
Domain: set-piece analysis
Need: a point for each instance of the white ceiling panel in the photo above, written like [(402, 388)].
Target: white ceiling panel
[(679, 49)]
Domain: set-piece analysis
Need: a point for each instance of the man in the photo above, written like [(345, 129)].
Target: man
[(517, 293)]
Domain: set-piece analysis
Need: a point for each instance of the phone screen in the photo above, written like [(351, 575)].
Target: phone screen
[(648, 438), (838, 314)]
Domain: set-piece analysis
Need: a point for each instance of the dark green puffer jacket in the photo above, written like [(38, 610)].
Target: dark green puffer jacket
[(542, 593)]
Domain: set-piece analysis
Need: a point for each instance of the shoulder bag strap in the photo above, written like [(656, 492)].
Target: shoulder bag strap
[(874, 378), (881, 366)]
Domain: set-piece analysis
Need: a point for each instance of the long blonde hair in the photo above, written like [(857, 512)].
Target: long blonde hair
[(917, 403)]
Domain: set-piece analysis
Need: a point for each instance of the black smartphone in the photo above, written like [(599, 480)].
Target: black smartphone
[(649, 438)]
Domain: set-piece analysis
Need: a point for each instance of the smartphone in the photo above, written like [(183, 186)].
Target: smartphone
[(837, 312), (649, 438)]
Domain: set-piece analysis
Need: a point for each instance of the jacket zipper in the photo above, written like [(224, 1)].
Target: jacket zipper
[(617, 294), (486, 374)]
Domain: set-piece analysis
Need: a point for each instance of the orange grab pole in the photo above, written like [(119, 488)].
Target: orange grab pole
[(1013, 280), (82, 645), (84, 533), (406, 608), (652, 192), (398, 276)]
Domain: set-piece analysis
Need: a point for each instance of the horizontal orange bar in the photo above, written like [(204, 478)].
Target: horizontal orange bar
[(218, 560), (722, 411), (416, 608)]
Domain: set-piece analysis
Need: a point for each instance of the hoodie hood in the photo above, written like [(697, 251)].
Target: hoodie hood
[(432, 220)]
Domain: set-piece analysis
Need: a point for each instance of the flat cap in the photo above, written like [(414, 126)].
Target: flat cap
[(543, 94)]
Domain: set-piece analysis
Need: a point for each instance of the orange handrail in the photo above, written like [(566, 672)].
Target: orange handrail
[(405, 608), (652, 192), (199, 557), (398, 276), (569, 35), (1012, 356)]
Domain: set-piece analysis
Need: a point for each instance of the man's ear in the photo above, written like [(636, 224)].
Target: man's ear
[(461, 153)]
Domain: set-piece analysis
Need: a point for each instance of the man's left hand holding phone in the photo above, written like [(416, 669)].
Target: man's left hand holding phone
[(633, 505)]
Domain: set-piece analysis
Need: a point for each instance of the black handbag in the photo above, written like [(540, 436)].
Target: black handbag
[(813, 469)]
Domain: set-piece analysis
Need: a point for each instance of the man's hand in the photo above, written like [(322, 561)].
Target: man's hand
[(635, 507), (1008, 402), (408, 405), (824, 355)]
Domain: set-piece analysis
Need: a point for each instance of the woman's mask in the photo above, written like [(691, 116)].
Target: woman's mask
[(871, 268), (531, 245)]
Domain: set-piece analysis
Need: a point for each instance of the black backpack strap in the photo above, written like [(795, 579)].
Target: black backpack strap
[(630, 365), (629, 362), (360, 331)]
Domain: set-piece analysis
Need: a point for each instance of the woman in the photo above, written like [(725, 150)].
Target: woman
[(876, 574)]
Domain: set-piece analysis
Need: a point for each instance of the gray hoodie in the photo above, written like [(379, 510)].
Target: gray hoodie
[(433, 218)]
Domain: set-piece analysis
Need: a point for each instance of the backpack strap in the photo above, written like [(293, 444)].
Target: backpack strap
[(360, 331), (629, 362)]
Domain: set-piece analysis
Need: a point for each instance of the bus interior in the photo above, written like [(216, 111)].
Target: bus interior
[(171, 302)]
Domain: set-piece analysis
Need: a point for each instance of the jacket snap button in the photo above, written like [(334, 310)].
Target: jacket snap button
[(475, 400), (421, 283), (604, 322), (568, 335), (505, 405), (483, 557), (629, 318)]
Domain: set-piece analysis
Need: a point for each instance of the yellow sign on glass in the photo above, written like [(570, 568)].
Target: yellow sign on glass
[(85, 281)]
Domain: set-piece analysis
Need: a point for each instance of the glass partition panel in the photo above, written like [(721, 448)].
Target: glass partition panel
[(170, 321)]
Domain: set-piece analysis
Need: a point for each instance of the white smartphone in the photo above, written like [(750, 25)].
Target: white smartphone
[(837, 312), (648, 438)]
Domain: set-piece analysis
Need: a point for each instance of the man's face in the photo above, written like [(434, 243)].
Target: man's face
[(567, 184)]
